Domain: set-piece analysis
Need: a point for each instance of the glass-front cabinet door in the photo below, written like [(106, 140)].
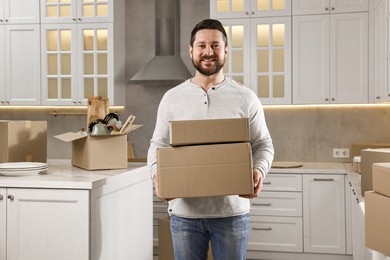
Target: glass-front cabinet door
[(2, 65), (271, 64), (94, 77), (68, 11), (249, 8), (76, 63), (237, 65)]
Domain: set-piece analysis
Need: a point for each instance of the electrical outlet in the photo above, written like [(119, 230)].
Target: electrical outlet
[(340, 153)]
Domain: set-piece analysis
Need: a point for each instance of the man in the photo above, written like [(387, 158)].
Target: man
[(223, 220)]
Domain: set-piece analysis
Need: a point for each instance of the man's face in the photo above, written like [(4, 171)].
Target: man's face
[(209, 52)]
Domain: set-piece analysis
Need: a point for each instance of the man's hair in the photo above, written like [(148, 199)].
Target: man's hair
[(208, 24)]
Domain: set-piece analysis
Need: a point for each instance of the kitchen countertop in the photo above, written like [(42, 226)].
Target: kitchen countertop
[(314, 168), (61, 174)]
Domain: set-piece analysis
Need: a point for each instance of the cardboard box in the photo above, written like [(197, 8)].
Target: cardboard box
[(165, 244), (205, 170), (377, 224), (209, 131), (23, 141), (358, 147), (368, 158), (381, 178), (97, 152)]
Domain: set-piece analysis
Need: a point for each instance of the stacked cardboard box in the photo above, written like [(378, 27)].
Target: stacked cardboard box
[(23, 141), (368, 158), (377, 210), (206, 158)]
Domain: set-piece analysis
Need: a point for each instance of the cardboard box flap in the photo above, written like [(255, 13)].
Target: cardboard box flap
[(70, 136)]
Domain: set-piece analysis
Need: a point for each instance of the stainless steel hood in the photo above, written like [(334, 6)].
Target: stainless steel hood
[(166, 67)]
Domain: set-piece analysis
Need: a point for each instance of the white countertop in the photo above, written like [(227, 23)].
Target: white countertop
[(61, 174), (314, 168)]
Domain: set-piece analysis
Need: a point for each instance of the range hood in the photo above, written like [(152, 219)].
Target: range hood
[(166, 67)]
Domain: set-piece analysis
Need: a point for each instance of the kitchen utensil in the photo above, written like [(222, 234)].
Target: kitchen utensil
[(127, 124), (110, 116), (100, 129)]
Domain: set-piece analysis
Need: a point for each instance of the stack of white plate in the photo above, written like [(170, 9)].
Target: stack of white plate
[(22, 168)]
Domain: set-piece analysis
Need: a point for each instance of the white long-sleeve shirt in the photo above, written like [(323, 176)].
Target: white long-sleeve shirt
[(228, 99)]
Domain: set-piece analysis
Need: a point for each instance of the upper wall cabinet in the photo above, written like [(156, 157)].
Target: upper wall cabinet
[(330, 58), (81, 58), (301, 7), (67, 11), (249, 8), (19, 11), (20, 62), (382, 51)]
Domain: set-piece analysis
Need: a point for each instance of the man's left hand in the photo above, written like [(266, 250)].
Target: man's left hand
[(257, 183)]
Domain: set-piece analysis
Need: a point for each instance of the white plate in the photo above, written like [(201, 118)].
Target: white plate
[(23, 169), (21, 173), (22, 165)]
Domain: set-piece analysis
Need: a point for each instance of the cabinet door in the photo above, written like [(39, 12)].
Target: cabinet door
[(311, 59), (21, 11), (300, 7), (324, 214), (380, 53), (349, 58), (59, 64), (265, 8), (48, 224), (271, 69), (79, 11), (344, 6), (22, 70), (229, 8), (237, 65), (2, 65), (3, 223), (277, 204), (95, 61)]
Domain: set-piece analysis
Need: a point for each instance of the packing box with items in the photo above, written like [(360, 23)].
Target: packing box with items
[(23, 141)]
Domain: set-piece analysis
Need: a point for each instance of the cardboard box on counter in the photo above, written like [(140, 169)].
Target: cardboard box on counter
[(205, 170), (165, 244), (209, 131), (23, 141), (381, 178), (368, 158), (377, 224), (358, 147)]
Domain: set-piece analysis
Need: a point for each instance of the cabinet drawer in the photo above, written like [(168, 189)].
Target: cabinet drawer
[(275, 234), (277, 204), (282, 182)]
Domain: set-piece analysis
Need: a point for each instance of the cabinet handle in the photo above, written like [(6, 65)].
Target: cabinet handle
[(320, 179), (266, 183), (262, 228), (262, 204), (326, 9), (10, 197), (353, 191), (74, 19), (333, 8), (1, 197), (333, 99), (326, 99), (1, 20), (350, 184), (79, 19), (357, 200), (6, 20), (247, 13)]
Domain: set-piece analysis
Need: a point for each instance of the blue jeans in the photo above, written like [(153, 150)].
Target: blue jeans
[(228, 237)]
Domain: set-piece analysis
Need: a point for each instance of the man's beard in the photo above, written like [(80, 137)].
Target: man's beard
[(208, 71)]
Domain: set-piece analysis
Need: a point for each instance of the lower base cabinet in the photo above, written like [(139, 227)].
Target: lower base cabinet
[(111, 221)]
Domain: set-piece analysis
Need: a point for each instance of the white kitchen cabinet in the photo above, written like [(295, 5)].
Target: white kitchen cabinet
[(330, 58), (249, 8), (19, 11), (260, 56), (276, 216), (324, 214), (68, 213), (381, 52), (20, 69), (46, 223), (78, 11), (304, 7), (81, 59)]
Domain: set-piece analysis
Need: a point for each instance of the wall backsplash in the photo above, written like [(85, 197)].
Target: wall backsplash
[(300, 133)]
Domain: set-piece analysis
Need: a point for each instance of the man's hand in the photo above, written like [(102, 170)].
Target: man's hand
[(155, 181), (257, 183)]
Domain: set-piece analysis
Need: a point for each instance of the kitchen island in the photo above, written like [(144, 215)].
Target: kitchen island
[(69, 213)]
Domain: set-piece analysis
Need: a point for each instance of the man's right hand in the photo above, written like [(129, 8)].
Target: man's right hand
[(155, 181)]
